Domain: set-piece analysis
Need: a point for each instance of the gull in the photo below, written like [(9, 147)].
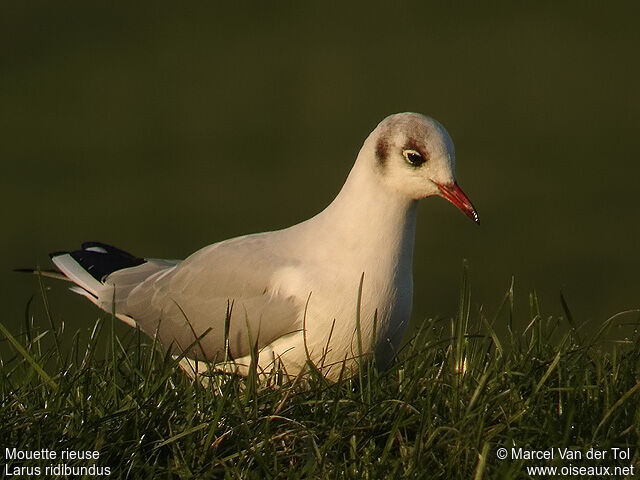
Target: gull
[(323, 293)]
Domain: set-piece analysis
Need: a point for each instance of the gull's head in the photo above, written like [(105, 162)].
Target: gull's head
[(413, 154)]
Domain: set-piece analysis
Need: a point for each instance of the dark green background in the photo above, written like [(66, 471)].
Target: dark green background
[(162, 128)]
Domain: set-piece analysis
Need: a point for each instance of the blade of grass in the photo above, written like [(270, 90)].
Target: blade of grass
[(20, 349), (482, 462), (47, 309), (616, 405)]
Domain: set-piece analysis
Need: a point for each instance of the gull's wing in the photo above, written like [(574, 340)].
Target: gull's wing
[(241, 276)]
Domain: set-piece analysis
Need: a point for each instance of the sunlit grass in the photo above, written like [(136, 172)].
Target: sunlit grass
[(457, 392)]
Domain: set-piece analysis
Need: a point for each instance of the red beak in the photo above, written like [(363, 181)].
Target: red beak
[(455, 195)]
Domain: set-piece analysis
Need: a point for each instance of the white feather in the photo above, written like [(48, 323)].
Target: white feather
[(72, 269)]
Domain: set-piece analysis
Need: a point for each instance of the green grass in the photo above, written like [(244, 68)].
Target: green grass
[(457, 392)]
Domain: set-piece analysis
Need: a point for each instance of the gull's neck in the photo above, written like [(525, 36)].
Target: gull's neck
[(369, 223)]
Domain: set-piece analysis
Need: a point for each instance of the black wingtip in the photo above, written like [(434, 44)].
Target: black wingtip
[(100, 259), (23, 270), (43, 271), (49, 273), (101, 247)]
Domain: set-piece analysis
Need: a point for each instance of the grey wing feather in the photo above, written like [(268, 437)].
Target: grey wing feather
[(183, 302), (119, 285)]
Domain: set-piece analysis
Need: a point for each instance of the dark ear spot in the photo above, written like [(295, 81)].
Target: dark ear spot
[(382, 149)]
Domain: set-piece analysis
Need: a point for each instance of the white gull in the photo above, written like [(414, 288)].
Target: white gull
[(327, 290)]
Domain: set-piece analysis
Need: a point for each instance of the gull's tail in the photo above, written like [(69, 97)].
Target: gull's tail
[(90, 269)]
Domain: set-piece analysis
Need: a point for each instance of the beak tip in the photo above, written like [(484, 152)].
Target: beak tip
[(454, 194)]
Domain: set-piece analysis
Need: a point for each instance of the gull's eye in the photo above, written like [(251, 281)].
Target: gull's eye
[(414, 158)]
